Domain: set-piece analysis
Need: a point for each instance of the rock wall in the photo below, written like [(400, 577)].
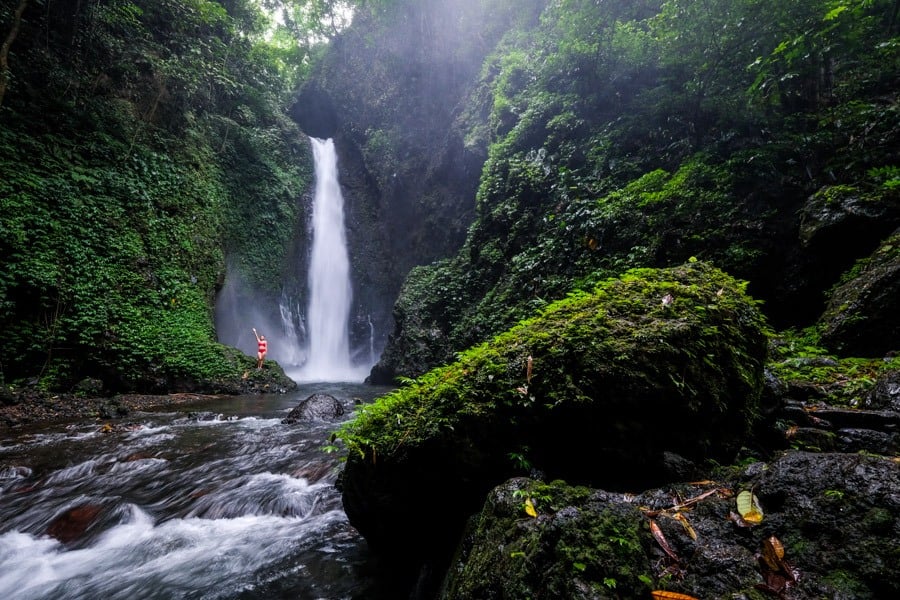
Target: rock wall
[(389, 91)]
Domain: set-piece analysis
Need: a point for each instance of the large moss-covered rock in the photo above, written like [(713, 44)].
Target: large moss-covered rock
[(584, 543), (601, 388), (833, 515)]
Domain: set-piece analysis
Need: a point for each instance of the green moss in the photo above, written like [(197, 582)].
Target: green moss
[(846, 585), (798, 359), (574, 543), (879, 521), (702, 347)]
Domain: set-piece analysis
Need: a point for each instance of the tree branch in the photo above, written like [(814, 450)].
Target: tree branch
[(4, 49)]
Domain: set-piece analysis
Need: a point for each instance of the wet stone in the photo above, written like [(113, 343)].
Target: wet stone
[(72, 524), (316, 407), (876, 442)]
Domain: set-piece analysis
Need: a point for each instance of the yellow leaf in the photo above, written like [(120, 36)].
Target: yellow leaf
[(665, 595), (749, 508), (687, 526), (529, 508)]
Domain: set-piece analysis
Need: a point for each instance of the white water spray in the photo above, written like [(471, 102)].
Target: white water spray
[(330, 292)]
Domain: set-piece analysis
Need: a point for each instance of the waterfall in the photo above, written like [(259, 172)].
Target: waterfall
[(330, 292)]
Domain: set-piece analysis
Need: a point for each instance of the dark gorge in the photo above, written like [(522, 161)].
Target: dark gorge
[(621, 279)]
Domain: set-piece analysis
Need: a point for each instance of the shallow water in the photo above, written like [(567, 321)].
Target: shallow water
[(218, 500)]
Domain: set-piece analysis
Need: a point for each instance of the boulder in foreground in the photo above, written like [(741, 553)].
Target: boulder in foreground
[(829, 530), (603, 388)]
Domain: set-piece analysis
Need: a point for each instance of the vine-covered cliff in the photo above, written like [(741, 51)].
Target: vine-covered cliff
[(141, 143), (759, 136)]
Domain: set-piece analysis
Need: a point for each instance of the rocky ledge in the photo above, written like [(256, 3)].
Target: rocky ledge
[(825, 526), (31, 405)]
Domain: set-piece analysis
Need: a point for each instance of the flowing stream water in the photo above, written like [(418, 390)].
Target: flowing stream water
[(219, 500)]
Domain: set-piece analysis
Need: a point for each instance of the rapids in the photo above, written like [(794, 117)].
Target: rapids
[(219, 500)]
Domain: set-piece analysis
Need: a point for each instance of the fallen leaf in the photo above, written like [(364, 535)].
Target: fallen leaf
[(686, 524), (661, 540), (773, 554), (696, 499), (739, 521), (749, 508), (666, 595)]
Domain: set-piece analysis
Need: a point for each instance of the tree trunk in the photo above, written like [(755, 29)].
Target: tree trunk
[(4, 49)]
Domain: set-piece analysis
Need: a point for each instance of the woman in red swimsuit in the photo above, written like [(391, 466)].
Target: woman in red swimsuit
[(262, 347)]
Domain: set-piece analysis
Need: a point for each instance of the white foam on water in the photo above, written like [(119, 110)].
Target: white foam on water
[(140, 558)]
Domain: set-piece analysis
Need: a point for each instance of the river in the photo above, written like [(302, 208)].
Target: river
[(218, 500)]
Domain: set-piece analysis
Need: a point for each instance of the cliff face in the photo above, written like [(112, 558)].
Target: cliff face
[(390, 90)]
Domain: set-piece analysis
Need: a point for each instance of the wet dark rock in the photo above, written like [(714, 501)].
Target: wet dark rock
[(886, 393), (678, 468), (835, 515), (312, 472), (773, 393), (316, 407), (315, 112), (74, 523), (820, 427), (204, 416), (832, 216), (795, 411), (867, 440), (882, 420), (811, 438), (862, 316)]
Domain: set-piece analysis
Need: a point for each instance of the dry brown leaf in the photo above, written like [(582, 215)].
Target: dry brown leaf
[(661, 540), (773, 554)]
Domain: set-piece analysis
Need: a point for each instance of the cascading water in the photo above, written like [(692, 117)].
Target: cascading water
[(330, 292)]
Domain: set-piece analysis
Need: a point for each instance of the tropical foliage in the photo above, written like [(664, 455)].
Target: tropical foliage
[(141, 143), (626, 134)]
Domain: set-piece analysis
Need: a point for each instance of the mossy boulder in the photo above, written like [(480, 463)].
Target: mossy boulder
[(601, 388), (584, 543), (833, 515)]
